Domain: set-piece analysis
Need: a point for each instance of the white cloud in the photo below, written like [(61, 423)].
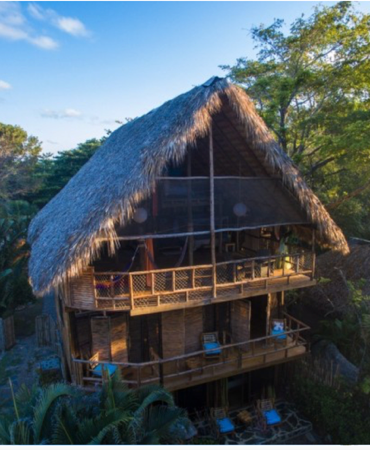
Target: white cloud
[(35, 11), (70, 25), (44, 42), (14, 27), (68, 113), (10, 13), (4, 85)]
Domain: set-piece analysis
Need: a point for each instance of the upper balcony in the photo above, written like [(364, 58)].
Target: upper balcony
[(189, 245), (146, 292)]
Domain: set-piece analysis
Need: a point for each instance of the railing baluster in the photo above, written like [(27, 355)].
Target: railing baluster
[(131, 289)]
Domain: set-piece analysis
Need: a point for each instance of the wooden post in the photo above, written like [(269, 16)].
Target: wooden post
[(131, 289), (212, 211), (190, 212), (313, 253)]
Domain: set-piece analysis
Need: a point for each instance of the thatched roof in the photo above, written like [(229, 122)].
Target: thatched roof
[(123, 171)]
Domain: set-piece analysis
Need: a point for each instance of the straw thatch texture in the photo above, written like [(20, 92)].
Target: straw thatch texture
[(123, 171)]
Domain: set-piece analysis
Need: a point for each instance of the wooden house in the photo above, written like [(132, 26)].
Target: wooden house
[(170, 251)]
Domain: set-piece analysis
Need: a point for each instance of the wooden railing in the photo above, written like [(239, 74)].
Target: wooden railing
[(194, 284), (235, 357)]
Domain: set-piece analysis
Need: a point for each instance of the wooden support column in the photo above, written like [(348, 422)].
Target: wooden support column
[(212, 210), (190, 211), (313, 253)]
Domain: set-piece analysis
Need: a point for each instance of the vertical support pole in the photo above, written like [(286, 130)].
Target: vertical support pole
[(313, 253), (190, 211), (212, 210), (131, 289)]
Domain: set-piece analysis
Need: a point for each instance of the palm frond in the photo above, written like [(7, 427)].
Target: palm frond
[(46, 400), (21, 432)]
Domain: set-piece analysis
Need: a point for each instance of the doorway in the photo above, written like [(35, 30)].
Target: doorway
[(259, 307)]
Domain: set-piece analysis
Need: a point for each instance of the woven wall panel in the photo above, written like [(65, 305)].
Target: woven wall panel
[(118, 333), (173, 333), (135, 338), (82, 294), (274, 305), (153, 335), (223, 317), (100, 337), (208, 318), (240, 321), (193, 329)]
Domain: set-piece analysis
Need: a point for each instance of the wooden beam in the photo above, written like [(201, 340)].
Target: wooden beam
[(212, 210)]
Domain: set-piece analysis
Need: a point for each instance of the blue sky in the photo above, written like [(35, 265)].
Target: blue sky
[(69, 70)]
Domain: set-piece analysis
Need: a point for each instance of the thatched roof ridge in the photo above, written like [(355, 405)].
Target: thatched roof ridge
[(123, 171)]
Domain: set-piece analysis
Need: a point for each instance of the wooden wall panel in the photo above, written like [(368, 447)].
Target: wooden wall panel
[(118, 333), (153, 335), (173, 333), (209, 318), (193, 329), (100, 337), (81, 290), (240, 321), (135, 339)]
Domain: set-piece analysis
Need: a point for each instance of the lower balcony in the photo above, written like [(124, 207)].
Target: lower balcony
[(196, 368)]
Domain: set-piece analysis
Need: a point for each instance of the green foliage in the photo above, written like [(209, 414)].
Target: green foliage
[(343, 413), (351, 334), (54, 173), (59, 414), (312, 88), (18, 156), (14, 287)]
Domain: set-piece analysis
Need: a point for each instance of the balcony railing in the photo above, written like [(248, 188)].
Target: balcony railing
[(189, 286), (193, 368)]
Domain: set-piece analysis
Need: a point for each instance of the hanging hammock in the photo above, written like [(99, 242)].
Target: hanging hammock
[(118, 278)]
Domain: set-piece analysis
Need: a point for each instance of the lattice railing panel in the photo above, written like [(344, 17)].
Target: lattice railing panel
[(173, 298), (111, 286), (145, 302), (183, 279), (203, 276)]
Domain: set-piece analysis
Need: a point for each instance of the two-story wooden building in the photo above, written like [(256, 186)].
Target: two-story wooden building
[(181, 235)]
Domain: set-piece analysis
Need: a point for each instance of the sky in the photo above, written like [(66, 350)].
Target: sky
[(70, 70)]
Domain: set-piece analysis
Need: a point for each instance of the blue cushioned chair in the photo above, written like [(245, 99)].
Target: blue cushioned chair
[(109, 369), (277, 328), (223, 423), (211, 344), (268, 412)]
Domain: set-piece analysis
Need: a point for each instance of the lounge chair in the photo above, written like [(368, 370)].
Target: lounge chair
[(222, 422), (268, 413), (277, 328), (100, 370), (211, 344)]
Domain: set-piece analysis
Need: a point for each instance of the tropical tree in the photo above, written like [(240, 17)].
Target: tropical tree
[(312, 88), (18, 156), (14, 288), (53, 172), (60, 414)]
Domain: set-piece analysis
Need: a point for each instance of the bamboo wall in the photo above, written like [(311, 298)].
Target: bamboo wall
[(109, 337), (240, 321)]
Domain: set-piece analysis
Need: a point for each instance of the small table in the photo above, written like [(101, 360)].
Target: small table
[(245, 417)]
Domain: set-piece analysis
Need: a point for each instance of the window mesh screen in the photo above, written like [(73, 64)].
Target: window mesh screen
[(182, 205)]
